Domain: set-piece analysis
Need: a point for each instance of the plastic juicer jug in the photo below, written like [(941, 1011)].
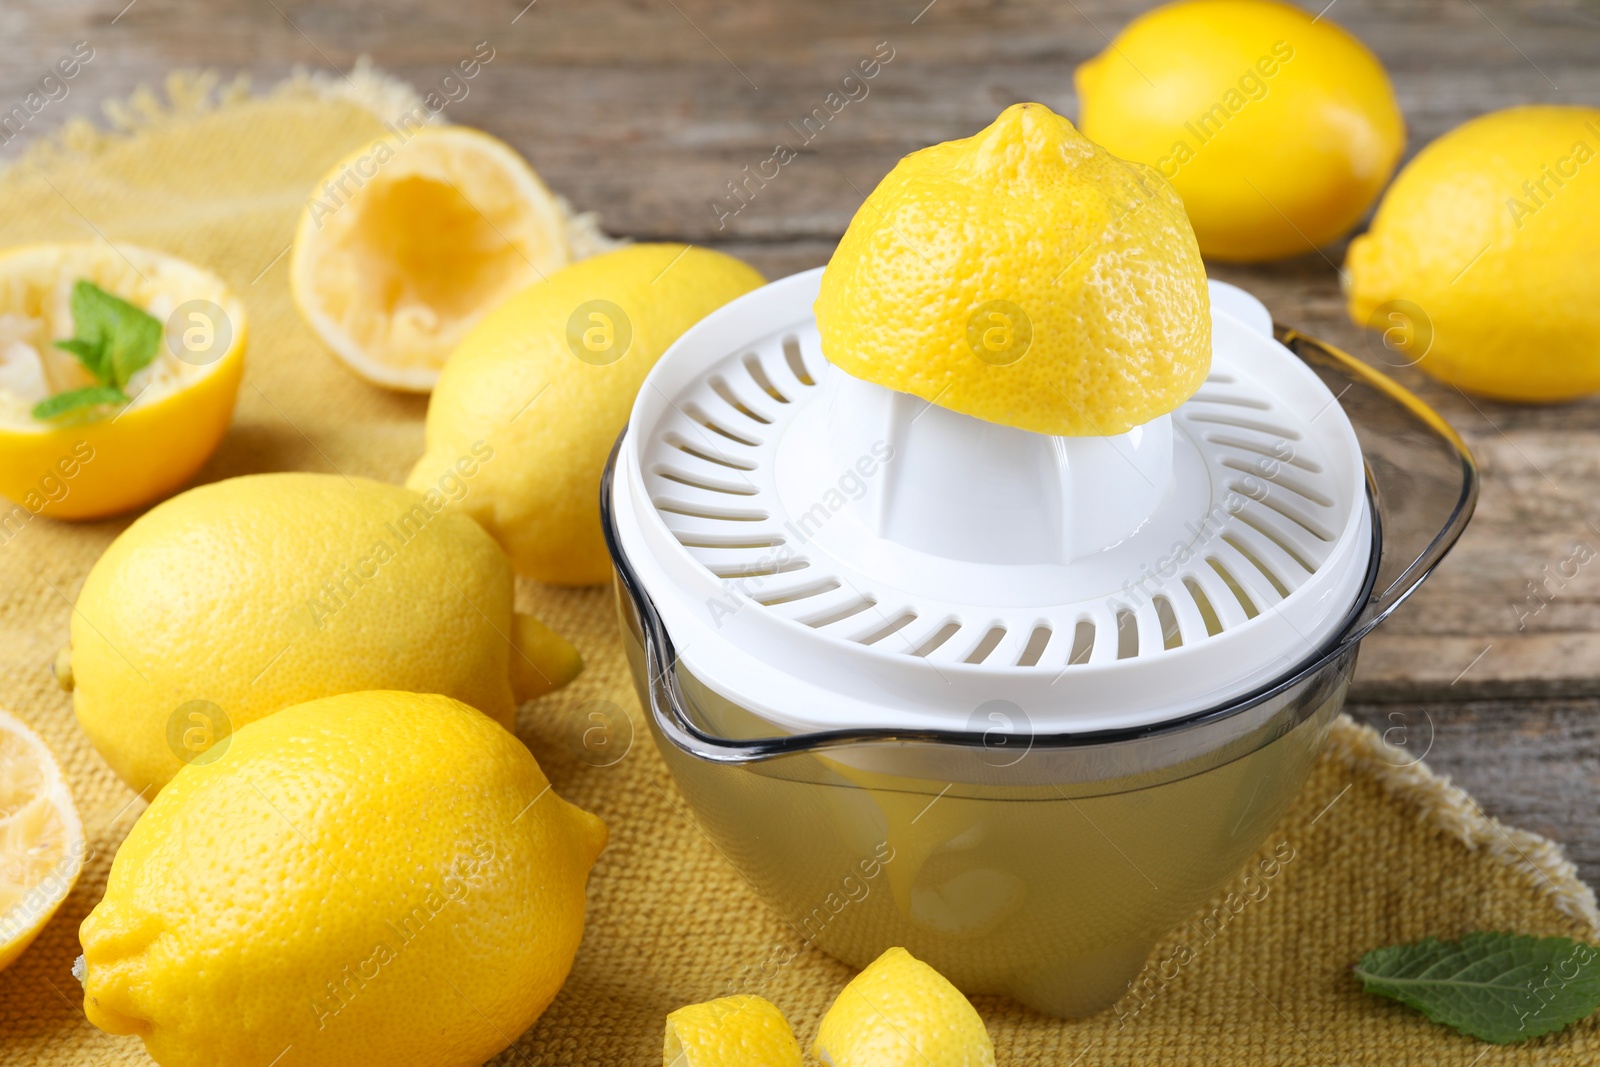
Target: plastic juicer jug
[(1019, 704)]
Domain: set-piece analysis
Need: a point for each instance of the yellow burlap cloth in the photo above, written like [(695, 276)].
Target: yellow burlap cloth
[(1382, 852)]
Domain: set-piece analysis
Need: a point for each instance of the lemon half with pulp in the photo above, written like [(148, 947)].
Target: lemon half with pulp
[(1024, 276), (104, 460)]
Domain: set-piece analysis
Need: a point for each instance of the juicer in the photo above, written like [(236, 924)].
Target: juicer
[(1051, 692)]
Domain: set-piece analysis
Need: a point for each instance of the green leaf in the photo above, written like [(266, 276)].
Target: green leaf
[(115, 339), (74, 399), (1499, 987), (88, 354)]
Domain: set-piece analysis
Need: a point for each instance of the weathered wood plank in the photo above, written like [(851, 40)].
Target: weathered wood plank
[(1531, 765)]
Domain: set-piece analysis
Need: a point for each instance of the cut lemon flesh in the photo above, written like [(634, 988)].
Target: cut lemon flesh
[(102, 461), (41, 838), (403, 246)]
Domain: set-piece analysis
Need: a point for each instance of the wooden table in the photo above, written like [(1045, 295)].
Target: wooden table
[(643, 110)]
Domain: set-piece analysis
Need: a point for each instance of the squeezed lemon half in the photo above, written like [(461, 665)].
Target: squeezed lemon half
[(404, 246)]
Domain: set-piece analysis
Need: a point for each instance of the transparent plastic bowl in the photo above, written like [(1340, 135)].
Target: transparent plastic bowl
[(1040, 866)]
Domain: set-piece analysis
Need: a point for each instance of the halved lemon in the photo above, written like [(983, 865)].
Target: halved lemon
[(41, 838), (105, 459), (405, 244)]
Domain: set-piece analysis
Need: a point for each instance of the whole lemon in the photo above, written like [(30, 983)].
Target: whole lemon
[(374, 878), (235, 599), (1481, 264), (548, 379), (1278, 129), (1025, 276)]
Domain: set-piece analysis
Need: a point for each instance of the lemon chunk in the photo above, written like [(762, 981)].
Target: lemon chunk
[(900, 1012), (739, 1031)]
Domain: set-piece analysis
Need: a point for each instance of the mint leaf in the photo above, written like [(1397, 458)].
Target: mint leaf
[(115, 339), (1498, 987), (54, 407), (88, 354)]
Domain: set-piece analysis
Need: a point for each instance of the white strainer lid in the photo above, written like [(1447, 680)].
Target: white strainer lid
[(830, 554)]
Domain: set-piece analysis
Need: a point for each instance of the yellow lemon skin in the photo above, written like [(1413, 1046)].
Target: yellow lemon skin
[(42, 847), (1024, 276), (146, 451), (548, 379), (374, 878), (899, 1012), (739, 1031), (1481, 263), (235, 599), (1277, 130)]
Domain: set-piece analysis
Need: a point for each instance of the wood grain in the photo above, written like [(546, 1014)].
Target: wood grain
[(1534, 765)]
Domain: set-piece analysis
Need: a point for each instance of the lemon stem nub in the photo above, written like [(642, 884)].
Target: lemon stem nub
[(542, 661), (62, 668)]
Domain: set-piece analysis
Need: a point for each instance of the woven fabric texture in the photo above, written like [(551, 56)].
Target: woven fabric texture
[(1383, 851)]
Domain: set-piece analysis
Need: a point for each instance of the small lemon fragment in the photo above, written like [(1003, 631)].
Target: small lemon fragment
[(42, 846), (374, 878), (900, 1012), (1278, 129), (738, 1031), (1024, 276), (1480, 266)]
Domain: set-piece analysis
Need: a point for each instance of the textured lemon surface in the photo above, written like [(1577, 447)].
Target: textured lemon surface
[(108, 461), (238, 598), (1481, 264), (374, 878), (548, 380), (41, 838), (1024, 276), (739, 1031), (900, 1012), (404, 245), (1278, 129)]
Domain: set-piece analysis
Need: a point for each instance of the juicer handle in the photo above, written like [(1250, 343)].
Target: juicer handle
[(1422, 479)]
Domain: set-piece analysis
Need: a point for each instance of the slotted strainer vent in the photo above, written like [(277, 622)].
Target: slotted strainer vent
[(830, 554)]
